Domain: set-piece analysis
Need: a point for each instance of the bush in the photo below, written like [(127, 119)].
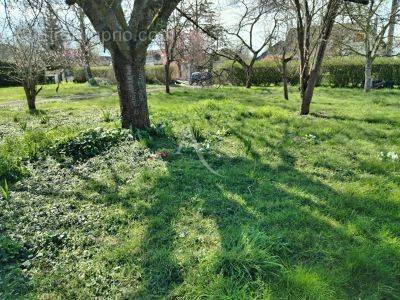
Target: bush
[(154, 74), (88, 144), (343, 72), (265, 73), (387, 69), (105, 73), (14, 152), (336, 72), (10, 168), (5, 79)]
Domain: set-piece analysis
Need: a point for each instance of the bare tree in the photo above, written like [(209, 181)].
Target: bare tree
[(128, 41), (28, 60), (239, 43), (315, 20), (81, 32), (285, 49), (199, 37), (172, 40), (371, 22), (26, 46)]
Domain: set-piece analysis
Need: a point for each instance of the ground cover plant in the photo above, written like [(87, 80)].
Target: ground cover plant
[(230, 194)]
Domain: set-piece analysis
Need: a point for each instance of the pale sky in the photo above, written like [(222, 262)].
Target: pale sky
[(228, 16)]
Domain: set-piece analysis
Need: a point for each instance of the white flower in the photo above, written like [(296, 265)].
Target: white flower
[(389, 155), (312, 137), (393, 155)]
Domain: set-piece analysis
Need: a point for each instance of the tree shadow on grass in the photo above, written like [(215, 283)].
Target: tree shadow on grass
[(13, 282), (258, 228), (270, 222)]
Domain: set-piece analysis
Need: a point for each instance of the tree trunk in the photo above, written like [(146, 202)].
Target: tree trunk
[(368, 75), (131, 78), (285, 79), (86, 64), (305, 103), (392, 27), (308, 92), (88, 72), (249, 77), (167, 76), (30, 93), (179, 69), (85, 46), (308, 79)]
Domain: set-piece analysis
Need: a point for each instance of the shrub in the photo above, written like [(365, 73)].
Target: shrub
[(154, 74), (343, 72), (88, 144), (10, 168), (336, 72), (265, 73), (5, 79)]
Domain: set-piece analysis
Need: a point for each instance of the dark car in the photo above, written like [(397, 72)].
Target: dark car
[(201, 78)]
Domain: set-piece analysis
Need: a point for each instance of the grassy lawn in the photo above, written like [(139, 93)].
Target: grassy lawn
[(266, 204), (50, 91)]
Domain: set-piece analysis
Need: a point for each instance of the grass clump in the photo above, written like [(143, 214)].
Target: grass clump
[(5, 191), (11, 168), (89, 143)]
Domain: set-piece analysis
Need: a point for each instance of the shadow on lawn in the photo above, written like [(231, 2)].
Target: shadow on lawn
[(276, 227), (13, 282), (271, 222)]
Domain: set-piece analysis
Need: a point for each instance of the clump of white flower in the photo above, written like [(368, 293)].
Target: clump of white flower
[(311, 137), (393, 155), (389, 155)]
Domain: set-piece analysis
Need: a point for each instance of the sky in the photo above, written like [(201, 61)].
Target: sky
[(228, 13)]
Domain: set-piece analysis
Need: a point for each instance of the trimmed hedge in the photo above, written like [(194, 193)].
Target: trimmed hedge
[(6, 80), (336, 72), (349, 71), (265, 73), (154, 74)]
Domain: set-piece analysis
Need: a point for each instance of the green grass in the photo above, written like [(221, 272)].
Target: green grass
[(270, 205), (50, 91)]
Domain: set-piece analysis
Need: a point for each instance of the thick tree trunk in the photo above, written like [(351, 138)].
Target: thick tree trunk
[(285, 79), (305, 103), (167, 76), (368, 75), (249, 77), (307, 94), (30, 93), (131, 78)]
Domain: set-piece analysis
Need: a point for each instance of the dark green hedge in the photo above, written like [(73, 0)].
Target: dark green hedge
[(265, 73), (6, 80), (336, 72), (154, 74)]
